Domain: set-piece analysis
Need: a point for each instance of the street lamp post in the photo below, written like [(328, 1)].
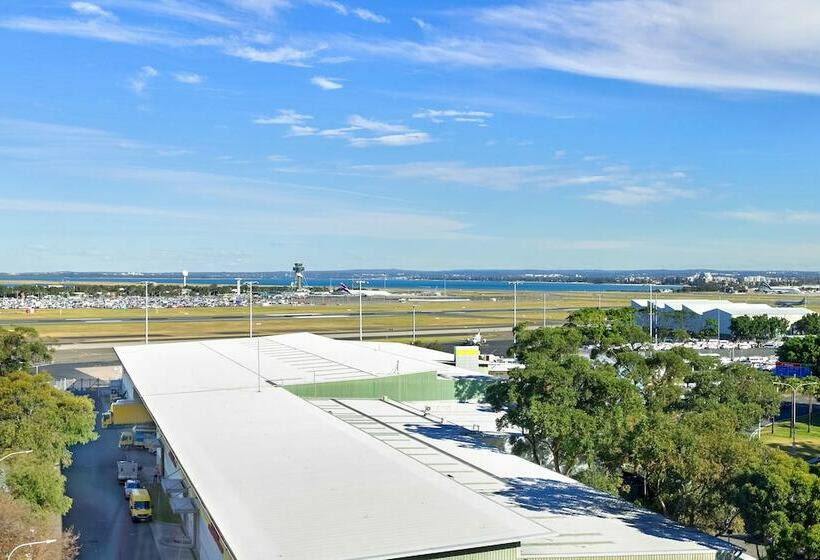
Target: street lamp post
[(146, 312), (360, 282), (515, 306), (28, 544), (13, 453), (250, 307), (545, 310), (794, 387), (414, 323)]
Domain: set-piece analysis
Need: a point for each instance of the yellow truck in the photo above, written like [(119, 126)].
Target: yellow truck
[(139, 505), (125, 412), (139, 436)]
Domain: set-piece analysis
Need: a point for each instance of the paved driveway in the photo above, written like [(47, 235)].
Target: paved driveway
[(99, 512)]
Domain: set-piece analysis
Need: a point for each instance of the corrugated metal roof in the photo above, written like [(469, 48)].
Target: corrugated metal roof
[(283, 479)]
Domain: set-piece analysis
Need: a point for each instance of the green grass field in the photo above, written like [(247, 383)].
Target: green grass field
[(231, 321), (808, 442)]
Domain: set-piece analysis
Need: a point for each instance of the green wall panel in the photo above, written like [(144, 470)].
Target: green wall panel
[(425, 386)]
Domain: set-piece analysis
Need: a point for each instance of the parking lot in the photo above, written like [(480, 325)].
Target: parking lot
[(99, 513)]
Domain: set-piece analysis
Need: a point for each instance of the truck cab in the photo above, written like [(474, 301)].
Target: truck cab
[(139, 505), (138, 436), (105, 419)]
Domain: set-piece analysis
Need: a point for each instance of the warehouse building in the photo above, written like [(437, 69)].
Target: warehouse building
[(257, 471), (692, 314)]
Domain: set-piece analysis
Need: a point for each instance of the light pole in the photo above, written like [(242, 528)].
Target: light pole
[(794, 387), (146, 312), (650, 312), (515, 306), (250, 307), (414, 323), (13, 453), (545, 310), (360, 282), (19, 546)]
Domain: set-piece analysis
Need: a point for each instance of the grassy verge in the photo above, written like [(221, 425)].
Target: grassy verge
[(808, 443)]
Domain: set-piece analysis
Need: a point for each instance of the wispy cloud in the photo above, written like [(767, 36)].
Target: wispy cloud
[(440, 115), (139, 82), (367, 15), (695, 44), (770, 216), (326, 83), (89, 9), (285, 116), (281, 55), (423, 25), (97, 28), (74, 207), (638, 196), (497, 177), (361, 122), (188, 77), (404, 139)]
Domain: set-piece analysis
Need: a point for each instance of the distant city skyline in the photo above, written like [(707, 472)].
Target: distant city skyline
[(140, 135)]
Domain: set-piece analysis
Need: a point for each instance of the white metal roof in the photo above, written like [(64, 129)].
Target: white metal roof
[(408, 351), (735, 309), (282, 479), (584, 522), (292, 359)]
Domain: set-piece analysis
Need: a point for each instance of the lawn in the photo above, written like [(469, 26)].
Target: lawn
[(808, 443)]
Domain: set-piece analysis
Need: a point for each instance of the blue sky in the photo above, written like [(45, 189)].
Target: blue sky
[(146, 135)]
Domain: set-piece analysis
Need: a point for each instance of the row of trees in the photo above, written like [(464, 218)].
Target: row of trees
[(759, 327), (669, 430), (35, 416)]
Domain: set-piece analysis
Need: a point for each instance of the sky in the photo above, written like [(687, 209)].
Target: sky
[(161, 135)]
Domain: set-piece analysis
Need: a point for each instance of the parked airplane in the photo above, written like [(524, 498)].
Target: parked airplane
[(798, 303), (767, 289), (343, 290)]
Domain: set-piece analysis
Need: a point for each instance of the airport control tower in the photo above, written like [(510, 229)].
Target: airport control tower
[(298, 275)]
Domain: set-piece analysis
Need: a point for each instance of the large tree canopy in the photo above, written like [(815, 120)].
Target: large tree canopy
[(668, 429), (35, 415), (20, 349)]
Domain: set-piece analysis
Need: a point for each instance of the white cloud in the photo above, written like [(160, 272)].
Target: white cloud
[(638, 196), (423, 25), (298, 130), (281, 55), (277, 158), (89, 9), (188, 78), (173, 152), (367, 15), (101, 29), (285, 116), (771, 216), (405, 139), (337, 7), (709, 44), (265, 8), (326, 83), (139, 82), (456, 115), (74, 207), (359, 121), (498, 177)]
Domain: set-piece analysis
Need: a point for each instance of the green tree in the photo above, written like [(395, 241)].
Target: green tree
[(810, 324), (759, 327), (779, 501), (710, 329), (607, 329), (570, 411), (801, 350), (21, 348), (35, 415)]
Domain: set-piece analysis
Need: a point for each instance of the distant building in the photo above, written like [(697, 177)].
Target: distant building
[(692, 314)]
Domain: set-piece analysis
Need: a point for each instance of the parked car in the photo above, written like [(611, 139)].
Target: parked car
[(131, 485)]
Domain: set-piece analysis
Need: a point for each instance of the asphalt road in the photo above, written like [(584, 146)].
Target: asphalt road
[(99, 513)]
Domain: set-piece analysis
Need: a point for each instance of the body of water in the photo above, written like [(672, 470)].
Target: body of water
[(394, 284)]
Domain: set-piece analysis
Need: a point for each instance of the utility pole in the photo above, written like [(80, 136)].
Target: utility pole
[(250, 308), (360, 282), (515, 306), (146, 312), (650, 313), (414, 323), (545, 310)]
